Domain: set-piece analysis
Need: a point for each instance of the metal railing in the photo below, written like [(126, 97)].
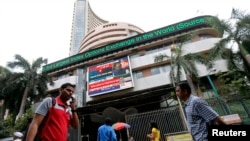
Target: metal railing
[(169, 120), (239, 106)]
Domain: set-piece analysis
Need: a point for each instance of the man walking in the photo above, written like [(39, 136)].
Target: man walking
[(198, 112), (106, 132), (54, 115)]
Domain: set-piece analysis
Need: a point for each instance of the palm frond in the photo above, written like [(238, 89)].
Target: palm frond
[(160, 57), (37, 64), (19, 62), (217, 52), (237, 14)]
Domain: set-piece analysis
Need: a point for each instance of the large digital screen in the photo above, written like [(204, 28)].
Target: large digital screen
[(110, 76)]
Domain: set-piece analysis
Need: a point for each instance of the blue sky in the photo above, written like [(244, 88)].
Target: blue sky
[(42, 28)]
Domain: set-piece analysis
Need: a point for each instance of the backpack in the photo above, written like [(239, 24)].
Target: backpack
[(46, 122)]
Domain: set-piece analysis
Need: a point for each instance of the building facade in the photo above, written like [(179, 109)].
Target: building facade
[(84, 20), (144, 85)]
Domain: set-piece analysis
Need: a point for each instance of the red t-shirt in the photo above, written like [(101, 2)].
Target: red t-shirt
[(59, 120)]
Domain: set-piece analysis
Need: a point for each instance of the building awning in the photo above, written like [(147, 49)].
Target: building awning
[(136, 97)]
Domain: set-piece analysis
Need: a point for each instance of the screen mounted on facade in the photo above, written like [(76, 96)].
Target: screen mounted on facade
[(109, 76)]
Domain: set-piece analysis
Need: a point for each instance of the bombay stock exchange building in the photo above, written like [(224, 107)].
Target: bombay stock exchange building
[(144, 92)]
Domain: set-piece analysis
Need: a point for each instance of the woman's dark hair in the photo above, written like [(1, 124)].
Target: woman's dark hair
[(153, 124), (185, 86)]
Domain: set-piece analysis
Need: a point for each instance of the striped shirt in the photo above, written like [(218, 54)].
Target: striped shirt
[(198, 114)]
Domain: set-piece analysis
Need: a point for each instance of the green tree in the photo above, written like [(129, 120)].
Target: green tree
[(3, 73), (11, 93), (241, 32), (234, 31), (8, 100), (31, 78), (233, 83), (181, 61), (8, 126)]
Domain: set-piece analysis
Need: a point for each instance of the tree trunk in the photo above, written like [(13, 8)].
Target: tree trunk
[(245, 54), (3, 109), (191, 84), (199, 92), (23, 103)]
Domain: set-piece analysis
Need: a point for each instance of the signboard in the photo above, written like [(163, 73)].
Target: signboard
[(132, 41), (179, 137), (231, 119), (109, 76)]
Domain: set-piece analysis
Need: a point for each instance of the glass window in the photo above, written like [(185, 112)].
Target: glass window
[(203, 36), (155, 70), (134, 55), (165, 68), (133, 33), (138, 75)]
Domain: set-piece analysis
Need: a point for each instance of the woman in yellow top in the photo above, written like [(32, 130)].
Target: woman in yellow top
[(155, 134)]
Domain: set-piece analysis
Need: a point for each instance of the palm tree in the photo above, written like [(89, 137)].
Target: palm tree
[(236, 31), (179, 62), (4, 72), (241, 31), (34, 82), (182, 62), (9, 92)]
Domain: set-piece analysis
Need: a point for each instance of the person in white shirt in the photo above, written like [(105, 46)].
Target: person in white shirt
[(17, 136)]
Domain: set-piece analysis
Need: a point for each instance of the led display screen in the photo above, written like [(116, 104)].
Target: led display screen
[(110, 76)]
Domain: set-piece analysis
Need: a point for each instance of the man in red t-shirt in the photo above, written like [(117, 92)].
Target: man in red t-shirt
[(52, 119)]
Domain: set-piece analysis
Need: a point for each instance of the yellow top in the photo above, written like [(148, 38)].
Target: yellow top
[(156, 134)]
